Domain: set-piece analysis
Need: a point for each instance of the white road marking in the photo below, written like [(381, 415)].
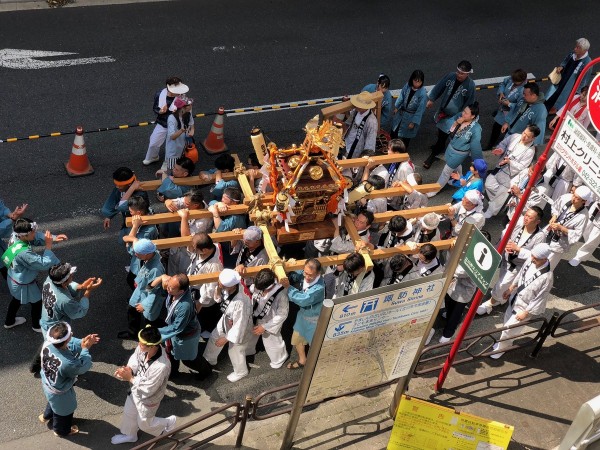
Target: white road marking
[(13, 58), (395, 93)]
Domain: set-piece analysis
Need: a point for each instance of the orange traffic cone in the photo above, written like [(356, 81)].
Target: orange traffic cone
[(214, 142), (78, 164)]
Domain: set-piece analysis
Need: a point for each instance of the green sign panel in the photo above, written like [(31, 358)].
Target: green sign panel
[(480, 260)]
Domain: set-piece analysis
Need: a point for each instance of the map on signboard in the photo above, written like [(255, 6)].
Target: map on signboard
[(373, 339)]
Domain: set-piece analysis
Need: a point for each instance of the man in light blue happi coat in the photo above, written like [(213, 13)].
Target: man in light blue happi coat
[(309, 296), (64, 358), (23, 267), (455, 91)]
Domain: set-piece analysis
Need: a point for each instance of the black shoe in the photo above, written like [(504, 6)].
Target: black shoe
[(126, 335)]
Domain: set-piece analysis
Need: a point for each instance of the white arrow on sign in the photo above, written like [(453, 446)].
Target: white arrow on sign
[(13, 58)]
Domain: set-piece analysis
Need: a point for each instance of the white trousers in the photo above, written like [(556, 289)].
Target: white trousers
[(445, 175), (554, 259), (237, 354), (508, 336), (561, 187), (496, 188), (157, 138), (134, 420), (505, 278), (591, 234), (274, 346)]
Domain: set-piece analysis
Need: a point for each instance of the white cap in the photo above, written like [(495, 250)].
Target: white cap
[(229, 278), (541, 251), (584, 193), (474, 196)]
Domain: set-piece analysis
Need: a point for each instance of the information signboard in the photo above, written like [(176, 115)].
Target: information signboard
[(580, 150), (480, 260), (423, 425), (374, 337)]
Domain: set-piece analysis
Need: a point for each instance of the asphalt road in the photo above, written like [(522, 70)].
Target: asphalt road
[(234, 53)]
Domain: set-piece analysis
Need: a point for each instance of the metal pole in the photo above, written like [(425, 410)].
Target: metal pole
[(511, 226), (460, 245), (307, 374), (243, 420)]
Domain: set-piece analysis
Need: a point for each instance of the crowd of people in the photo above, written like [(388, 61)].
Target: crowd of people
[(175, 321)]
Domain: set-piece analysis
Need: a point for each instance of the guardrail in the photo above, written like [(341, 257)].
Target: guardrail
[(473, 350), (587, 322), (240, 415)]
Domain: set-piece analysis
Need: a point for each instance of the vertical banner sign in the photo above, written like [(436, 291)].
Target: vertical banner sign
[(373, 337), (580, 150), (593, 102), (481, 260)]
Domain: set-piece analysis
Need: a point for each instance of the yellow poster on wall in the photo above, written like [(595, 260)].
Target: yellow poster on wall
[(421, 425)]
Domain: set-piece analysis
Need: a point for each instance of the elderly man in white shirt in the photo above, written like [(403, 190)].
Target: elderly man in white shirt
[(527, 295), (516, 153), (569, 218), (234, 327)]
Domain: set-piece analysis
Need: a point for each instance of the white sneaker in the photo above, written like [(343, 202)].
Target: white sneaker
[(430, 336), (147, 162), (37, 330), (233, 377), (488, 215), (574, 262), (484, 308), (496, 355), (443, 340), (123, 438), (18, 321), (171, 423), (205, 335)]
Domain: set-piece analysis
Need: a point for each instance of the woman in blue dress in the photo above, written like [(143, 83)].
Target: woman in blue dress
[(409, 108)]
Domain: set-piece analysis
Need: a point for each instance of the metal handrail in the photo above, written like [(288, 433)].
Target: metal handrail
[(258, 398), (559, 321), (162, 439), (475, 339)]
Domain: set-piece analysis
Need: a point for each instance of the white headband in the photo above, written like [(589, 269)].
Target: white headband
[(72, 270), (34, 227), (62, 339)]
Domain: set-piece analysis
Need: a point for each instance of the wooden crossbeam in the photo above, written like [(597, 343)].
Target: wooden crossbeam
[(325, 261), (194, 214), (411, 213), (197, 180)]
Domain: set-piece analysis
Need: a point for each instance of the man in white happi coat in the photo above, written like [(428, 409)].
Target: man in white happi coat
[(234, 327), (469, 210), (427, 264), (537, 197), (569, 218), (558, 177), (251, 252), (591, 234), (354, 277), (270, 306), (205, 258), (526, 234), (147, 371), (516, 151), (527, 295)]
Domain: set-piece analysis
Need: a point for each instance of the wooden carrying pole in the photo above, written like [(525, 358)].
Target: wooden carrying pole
[(334, 260), (207, 179)]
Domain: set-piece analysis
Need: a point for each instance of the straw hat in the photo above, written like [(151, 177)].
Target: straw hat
[(362, 100)]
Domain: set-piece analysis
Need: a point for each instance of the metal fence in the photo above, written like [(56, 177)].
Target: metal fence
[(279, 400)]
